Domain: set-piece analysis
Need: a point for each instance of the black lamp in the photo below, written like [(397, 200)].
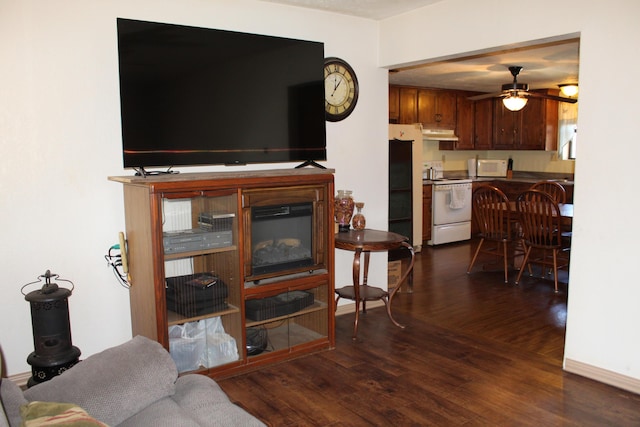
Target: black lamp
[(54, 352)]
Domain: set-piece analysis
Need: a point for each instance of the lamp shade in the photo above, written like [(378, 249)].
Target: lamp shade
[(570, 89), (514, 102)]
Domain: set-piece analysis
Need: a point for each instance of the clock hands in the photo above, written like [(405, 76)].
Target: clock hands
[(336, 82)]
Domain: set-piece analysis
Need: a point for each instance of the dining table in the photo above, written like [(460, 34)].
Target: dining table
[(566, 209), (566, 214)]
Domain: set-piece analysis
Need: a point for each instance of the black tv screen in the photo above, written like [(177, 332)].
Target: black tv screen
[(199, 96)]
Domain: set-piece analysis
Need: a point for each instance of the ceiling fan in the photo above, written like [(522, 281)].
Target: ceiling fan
[(520, 91)]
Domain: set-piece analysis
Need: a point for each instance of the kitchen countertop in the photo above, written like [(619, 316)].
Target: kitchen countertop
[(518, 176)]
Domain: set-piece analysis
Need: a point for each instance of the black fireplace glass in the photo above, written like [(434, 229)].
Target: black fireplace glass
[(281, 237)]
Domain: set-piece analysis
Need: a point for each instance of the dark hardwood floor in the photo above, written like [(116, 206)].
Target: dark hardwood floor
[(475, 352)]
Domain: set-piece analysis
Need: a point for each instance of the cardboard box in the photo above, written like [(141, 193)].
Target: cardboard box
[(394, 273)]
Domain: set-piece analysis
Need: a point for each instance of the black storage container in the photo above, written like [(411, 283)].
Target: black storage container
[(279, 305), (196, 294)]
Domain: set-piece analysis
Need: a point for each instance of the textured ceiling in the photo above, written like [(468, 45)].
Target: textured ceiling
[(372, 9), (545, 65)]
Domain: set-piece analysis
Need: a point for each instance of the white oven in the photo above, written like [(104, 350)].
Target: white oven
[(451, 220)]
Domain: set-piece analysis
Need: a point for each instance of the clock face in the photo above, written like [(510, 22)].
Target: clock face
[(340, 89)]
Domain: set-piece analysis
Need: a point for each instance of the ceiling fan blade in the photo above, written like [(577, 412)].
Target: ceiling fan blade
[(486, 95), (552, 97)]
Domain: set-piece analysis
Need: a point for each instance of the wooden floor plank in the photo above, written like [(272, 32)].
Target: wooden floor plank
[(476, 352)]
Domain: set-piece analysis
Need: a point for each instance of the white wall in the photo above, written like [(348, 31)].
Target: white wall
[(603, 316), (60, 139)]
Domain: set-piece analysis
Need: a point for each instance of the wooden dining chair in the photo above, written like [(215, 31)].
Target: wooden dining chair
[(540, 219), (560, 196), (493, 217), (552, 187)]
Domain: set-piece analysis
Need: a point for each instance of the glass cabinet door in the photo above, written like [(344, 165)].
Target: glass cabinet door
[(281, 320), (202, 279)]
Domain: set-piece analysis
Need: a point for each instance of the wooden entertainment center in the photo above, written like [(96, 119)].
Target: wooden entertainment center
[(172, 272)]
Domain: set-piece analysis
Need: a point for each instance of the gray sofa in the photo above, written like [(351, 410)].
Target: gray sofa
[(133, 384)]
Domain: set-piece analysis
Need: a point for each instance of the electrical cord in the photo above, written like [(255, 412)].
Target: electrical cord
[(114, 260)]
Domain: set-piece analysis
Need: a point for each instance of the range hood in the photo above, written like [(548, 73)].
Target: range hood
[(439, 135)]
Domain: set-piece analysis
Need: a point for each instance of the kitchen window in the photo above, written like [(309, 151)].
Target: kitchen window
[(567, 130)]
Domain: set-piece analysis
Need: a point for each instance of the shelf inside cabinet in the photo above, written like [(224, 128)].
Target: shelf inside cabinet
[(174, 318), (316, 306), (181, 255)]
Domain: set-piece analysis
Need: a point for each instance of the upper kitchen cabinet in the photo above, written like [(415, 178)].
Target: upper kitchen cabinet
[(437, 108), (408, 104), (540, 124), (434, 108), (535, 127), (394, 104), (483, 124), (464, 122)]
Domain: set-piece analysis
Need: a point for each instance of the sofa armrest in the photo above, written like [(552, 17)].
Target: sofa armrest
[(114, 384), (11, 399)]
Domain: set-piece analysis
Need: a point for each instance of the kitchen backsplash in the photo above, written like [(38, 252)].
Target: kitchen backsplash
[(534, 161)]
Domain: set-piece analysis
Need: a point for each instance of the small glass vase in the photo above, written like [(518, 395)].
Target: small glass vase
[(343, 209), (358, 221)]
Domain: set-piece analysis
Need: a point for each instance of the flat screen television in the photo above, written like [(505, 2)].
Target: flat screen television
[(200, 96)]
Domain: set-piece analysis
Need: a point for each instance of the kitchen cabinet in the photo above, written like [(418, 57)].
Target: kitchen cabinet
[(479, 125), (540, 124), (434, 108), (483, 124), (427, 211), (507, 127), (464, 122), (437, 108), (394, 104), (187, 290), (408, 105), (535, 127)]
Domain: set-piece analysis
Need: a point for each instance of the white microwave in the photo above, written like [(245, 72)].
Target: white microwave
[(491, 167)]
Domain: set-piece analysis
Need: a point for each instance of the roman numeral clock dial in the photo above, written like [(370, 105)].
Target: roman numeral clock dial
[(340, 89)]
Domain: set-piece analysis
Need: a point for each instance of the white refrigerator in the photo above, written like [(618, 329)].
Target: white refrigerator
[(413, 133)]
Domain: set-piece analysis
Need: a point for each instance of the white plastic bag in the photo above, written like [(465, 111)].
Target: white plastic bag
[(187, 343), (221, 347)]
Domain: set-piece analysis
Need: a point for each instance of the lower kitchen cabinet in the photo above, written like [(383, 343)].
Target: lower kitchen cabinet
[(231, 271)]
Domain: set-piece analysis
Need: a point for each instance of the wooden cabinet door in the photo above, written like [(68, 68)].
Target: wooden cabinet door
[(507, 127), (483, 124), (464, 122), (533, 132), (394, 104), (408, 105), (437, 109), (539, 125), (427, 199)]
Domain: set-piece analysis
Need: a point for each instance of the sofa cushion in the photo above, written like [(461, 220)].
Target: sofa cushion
[(205, 401), (163, 413), (114, 384)]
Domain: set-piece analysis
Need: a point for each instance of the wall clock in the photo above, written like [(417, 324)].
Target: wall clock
[(340, 89)]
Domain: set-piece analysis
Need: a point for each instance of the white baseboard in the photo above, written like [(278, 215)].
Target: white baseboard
[(604, 376)]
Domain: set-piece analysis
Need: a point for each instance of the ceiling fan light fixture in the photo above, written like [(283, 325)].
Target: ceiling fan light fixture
[(569, 89), (514, 102)]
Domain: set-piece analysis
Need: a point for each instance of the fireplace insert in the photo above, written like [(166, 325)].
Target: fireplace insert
[(281, 238)]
